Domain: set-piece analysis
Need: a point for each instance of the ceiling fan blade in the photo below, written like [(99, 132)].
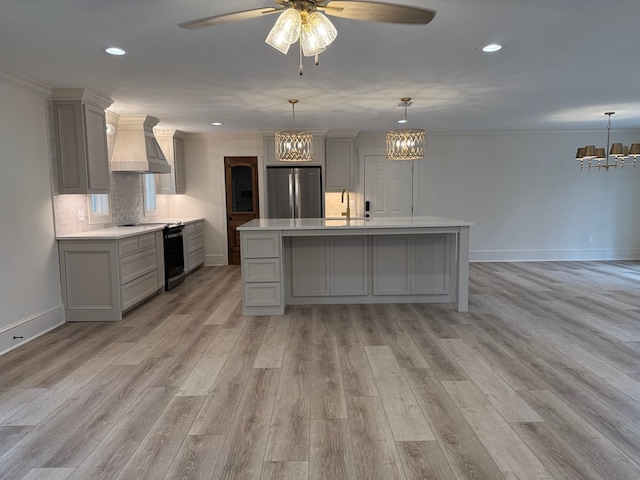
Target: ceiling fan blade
[(379, 12), (229, 17)]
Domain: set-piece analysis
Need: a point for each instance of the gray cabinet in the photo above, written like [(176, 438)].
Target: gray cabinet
[(193, 245), (340, 165), (81, 141), (329, 266), (262, 273), (172, 144), (413, 264), (101, 279)]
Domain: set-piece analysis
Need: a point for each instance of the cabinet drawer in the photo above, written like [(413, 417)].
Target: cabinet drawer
[(261, 270), (192, 228), (260, 245), (135, 266), (262, 295), (136, 291), (195, 242), (147, 241), (194, 259), (127, 246)]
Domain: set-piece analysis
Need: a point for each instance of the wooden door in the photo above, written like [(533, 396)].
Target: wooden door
[(388, 187), (241, 180)]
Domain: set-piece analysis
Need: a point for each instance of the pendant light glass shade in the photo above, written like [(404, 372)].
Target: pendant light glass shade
[(316, 34), (294, 146), (405, 143), (286, 30)]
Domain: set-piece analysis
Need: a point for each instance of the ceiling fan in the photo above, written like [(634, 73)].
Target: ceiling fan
[(303, 20)]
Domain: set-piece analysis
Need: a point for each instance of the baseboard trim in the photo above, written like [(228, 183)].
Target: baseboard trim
[(30, 328), (216, 260), (552, 255)]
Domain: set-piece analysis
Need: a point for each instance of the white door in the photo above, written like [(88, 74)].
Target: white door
[(388, 187)]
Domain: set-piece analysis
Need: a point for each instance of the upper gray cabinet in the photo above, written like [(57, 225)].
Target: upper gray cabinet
[(81, 141), (341, 168), (172, 144)]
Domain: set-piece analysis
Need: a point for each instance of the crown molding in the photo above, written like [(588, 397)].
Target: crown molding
[(24, 84), (82, 94)]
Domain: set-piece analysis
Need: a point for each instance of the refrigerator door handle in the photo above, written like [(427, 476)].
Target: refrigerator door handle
[(297, 189), (291, 197)]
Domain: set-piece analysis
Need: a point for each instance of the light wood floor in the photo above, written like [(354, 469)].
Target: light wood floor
[(540, 380)]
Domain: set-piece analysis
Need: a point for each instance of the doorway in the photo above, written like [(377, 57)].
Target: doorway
[(241, 191), (388, 187)]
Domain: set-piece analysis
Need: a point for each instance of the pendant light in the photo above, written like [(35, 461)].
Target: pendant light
[(592, 157), (294, 146), (405, 143)]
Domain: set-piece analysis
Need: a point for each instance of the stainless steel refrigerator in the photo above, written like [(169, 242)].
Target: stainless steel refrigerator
[(294, 192)]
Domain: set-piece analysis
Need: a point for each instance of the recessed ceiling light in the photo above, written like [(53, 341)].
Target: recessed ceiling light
[(216, 124), (114, 51), (492, 47)]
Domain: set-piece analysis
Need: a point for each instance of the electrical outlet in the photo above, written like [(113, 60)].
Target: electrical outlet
[(589, 239), (81, 215)]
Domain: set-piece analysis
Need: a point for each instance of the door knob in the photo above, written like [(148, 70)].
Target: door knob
[(230, 217)]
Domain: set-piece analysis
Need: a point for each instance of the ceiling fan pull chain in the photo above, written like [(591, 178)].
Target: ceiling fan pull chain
[(300, 69), (317, 59)]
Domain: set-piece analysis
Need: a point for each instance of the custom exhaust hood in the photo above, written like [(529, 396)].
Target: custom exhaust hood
[(136, 148)]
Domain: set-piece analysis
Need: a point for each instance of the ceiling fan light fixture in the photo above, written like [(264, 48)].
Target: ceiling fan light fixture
[(317, 33), (286, 30), (405, 143)]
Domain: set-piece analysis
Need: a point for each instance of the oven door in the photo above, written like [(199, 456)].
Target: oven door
[(173, 257)]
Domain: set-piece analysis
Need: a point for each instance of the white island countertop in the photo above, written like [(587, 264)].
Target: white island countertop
[(116, 233), (357, 224)]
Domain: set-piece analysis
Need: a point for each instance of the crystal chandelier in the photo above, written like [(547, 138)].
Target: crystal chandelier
[(294, 146), (405, 143), (300, 21), (592, 157)]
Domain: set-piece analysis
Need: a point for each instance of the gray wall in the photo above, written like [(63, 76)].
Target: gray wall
[(527, 195), (30, 295)]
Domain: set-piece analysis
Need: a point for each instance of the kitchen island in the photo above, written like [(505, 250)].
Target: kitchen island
[(338, 261)]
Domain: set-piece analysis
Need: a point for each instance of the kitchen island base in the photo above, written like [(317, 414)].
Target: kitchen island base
[(317, 261)]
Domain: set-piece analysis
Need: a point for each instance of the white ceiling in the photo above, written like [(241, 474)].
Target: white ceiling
[(564, 63)]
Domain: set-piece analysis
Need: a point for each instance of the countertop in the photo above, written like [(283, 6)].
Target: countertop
[(115, 233), (286, 224)]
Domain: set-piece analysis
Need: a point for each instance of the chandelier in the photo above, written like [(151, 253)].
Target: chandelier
[(294, 146), (405, 143), (593, 157), (300, 21)]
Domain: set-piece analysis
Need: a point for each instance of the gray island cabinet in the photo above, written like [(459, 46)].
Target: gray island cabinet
[(376, 260)]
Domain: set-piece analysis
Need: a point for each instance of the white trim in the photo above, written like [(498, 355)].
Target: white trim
[(552, 255), (24, 84), (30, 328), (215, 260)]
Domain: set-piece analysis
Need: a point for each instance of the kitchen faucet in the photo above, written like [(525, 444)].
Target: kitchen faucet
[(348, 212)]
